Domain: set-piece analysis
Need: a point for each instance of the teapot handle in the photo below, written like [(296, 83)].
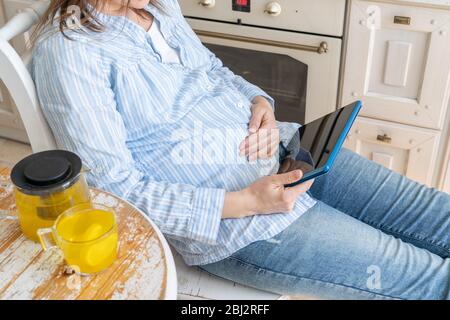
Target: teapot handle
[(6, 214)]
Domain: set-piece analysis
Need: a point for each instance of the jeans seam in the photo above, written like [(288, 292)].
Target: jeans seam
[(313, 279), (412, 236)]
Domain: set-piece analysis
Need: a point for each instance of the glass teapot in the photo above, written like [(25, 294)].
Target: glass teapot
[(45, 185)]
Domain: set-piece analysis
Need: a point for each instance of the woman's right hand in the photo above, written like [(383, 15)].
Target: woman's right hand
[(265, 196)]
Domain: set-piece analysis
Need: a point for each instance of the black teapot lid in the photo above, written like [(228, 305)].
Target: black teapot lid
[(46, 170)]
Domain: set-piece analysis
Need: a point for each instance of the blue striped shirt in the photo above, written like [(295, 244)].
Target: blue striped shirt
[(163, 136)]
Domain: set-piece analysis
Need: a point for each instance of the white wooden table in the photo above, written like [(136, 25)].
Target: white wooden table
[(144, 268)]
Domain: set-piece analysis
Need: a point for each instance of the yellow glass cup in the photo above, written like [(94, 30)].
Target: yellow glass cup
[(87, 235)]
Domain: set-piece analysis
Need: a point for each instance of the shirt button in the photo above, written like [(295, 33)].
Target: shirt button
[(241, 104), (209, 87)]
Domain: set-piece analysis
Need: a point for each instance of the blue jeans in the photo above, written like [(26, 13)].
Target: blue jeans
[(372, 234)]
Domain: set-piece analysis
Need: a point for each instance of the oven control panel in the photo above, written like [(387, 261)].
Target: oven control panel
[(241, 5), (314, 16)]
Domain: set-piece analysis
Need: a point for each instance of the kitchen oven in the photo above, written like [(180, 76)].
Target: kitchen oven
[(290, 48)]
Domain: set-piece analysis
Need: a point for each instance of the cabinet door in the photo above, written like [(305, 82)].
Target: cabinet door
[(407, 150), (446, 173), (398, 62), (11, 125)]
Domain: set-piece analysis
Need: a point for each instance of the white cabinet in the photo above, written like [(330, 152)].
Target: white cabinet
[(407, 150), (11, 125), (446, 173), (398, 62)]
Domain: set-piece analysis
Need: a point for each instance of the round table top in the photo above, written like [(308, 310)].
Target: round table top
[(144, 267)]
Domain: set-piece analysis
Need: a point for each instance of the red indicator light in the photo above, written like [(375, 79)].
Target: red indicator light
[(241, 5)]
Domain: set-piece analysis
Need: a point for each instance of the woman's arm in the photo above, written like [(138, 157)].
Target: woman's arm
[(79, 105), (75, 93), (265, 196)]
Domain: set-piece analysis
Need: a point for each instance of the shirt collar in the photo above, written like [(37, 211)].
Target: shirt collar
[(133, 30)]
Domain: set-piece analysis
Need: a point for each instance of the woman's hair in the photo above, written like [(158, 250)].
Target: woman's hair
[(66, 13)]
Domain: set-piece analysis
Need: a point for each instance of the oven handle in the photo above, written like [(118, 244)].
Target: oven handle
[(321, 49)]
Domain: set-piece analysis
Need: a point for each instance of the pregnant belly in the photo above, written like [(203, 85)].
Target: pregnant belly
[(210, 158)]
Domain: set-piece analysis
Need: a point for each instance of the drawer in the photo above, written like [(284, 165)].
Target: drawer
[(397, 62), (407, 150), (318, 16)]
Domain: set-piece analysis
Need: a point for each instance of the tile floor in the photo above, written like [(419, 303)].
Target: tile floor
[(12, 151)]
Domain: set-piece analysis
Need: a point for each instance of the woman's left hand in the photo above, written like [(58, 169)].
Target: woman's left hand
[(264, 136)]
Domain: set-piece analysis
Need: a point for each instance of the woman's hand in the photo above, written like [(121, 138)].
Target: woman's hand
[(264, 135), (267, 195)]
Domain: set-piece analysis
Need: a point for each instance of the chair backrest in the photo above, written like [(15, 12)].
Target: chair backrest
[(15, 76)]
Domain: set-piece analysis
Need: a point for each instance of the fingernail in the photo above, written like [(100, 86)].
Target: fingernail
[(252, 129)]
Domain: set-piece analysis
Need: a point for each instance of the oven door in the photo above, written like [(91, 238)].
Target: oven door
[(300, 71)]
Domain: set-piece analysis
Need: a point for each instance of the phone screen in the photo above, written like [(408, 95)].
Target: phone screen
[(313, 144)]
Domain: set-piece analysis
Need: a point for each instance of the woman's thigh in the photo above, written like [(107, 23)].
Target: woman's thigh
[(387, 201), (329, 254)]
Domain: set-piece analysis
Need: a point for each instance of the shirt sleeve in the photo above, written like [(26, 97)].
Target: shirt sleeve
[(76, 95)]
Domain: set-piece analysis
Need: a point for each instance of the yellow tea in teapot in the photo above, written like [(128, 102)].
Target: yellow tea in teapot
[(39, 211), (46, 184)]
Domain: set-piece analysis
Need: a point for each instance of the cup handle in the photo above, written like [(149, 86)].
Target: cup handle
[(46, 238), (6, 214)]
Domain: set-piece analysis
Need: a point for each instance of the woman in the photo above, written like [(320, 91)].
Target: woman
[(162, 123)]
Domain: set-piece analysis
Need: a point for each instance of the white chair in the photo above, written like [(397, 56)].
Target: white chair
[(17, 79), (193, 283)]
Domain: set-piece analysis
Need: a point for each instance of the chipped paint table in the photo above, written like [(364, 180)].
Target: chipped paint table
[(144, 268)]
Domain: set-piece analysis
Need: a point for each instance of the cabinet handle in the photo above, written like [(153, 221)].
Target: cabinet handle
[(322, 48), (384, 138), (402, 20)]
